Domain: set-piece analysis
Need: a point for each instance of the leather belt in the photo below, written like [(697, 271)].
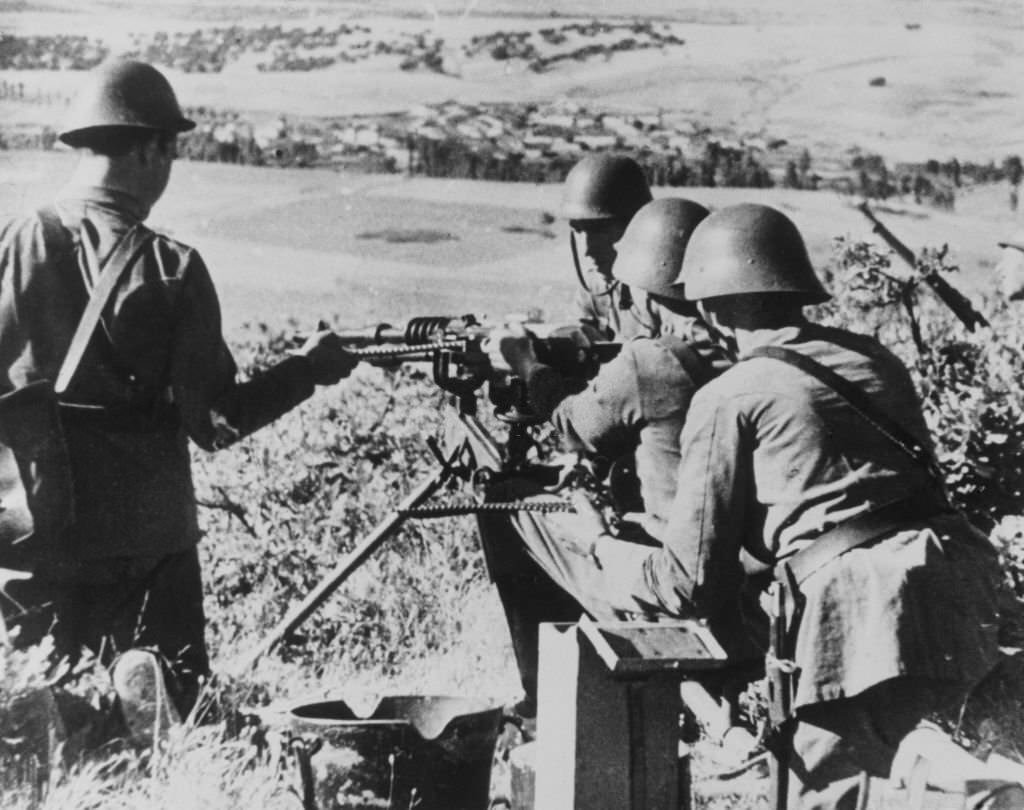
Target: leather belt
[(859, 531), (159, 418)]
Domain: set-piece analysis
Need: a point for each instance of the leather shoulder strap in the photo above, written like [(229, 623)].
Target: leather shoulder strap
[(857, 398), (693, 362), (123, 256)]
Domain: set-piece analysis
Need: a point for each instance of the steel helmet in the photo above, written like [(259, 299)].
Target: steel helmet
[(1015, 241), (749, 248), (124, 94), (603, 186), (650, 253)]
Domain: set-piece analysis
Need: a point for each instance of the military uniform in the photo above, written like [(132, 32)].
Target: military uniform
[(891, 629), (630, 414), (637, 403), (610, 310), (604, 191), (128, 575)]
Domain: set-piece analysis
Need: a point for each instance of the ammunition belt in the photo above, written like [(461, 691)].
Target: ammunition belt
[(455, 509)]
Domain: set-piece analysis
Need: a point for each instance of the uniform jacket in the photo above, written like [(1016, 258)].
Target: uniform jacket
[(636, 403), (772, 458), (158, 365)]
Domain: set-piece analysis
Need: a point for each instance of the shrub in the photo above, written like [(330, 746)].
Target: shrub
[(970, 382), (284, 505)]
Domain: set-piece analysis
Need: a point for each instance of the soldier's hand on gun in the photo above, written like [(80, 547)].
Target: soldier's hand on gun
[(511, 349), (580, 531), (327, 356), (588, 517)]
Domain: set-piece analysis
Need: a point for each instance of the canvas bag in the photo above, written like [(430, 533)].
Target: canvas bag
[(36, 491)]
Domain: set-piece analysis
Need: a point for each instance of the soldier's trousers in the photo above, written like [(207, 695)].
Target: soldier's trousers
[(537, 573), (119, 604), (541, 575), (834, 742)]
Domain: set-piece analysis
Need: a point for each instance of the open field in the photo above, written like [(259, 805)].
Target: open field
[(302, 244), (794, 70)]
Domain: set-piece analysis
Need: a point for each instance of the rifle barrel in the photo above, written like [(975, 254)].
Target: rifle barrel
[(889, 237), (957, 302)]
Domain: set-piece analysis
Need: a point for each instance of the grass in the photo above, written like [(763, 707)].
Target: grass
[(281, 507)]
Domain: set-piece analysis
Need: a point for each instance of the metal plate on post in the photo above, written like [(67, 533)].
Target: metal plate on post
[(642, 649)]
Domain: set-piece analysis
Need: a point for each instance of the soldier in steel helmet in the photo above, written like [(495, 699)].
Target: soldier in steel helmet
[(600, 195), (637, 401), (811, 455), (635, 406), (156, 374), (1010, 269)]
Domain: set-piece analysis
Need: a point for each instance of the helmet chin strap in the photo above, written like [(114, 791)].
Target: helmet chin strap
[(576, 261), (612, 286), (649, 318), (728, 342)]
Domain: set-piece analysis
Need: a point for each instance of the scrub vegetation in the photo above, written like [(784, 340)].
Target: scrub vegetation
[(281, 507)]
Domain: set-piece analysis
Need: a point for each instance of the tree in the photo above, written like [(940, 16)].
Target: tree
[(804, 167), (792, 179)]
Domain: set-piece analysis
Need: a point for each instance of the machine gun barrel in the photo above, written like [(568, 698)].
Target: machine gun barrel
[(421, 338), (957, 302)]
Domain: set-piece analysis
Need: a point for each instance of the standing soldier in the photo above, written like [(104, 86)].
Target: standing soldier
[(811, 455), (600, 197), (155, 373), (637, 403)]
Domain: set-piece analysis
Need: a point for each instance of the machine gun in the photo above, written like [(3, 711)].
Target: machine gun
[(957, 302), (454, 347), (461, 341)]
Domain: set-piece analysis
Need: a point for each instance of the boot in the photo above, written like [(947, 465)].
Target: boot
[(149, 714)]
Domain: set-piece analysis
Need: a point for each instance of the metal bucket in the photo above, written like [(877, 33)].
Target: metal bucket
[(409, 753)]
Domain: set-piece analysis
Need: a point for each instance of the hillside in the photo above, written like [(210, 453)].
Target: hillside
[(293, 243), (799, 71)]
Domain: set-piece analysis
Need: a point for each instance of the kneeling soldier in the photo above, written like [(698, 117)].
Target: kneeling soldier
[(811, 455), (637, 403)]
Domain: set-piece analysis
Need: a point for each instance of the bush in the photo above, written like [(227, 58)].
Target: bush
[(970, 382), (282, 507)]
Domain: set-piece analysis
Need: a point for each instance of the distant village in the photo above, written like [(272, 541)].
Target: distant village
[(540, 143), (511, 142), (497, 141)]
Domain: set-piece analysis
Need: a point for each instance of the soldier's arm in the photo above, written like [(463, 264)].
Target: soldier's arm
[(215, 407), (697, 569), (605, 417)]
